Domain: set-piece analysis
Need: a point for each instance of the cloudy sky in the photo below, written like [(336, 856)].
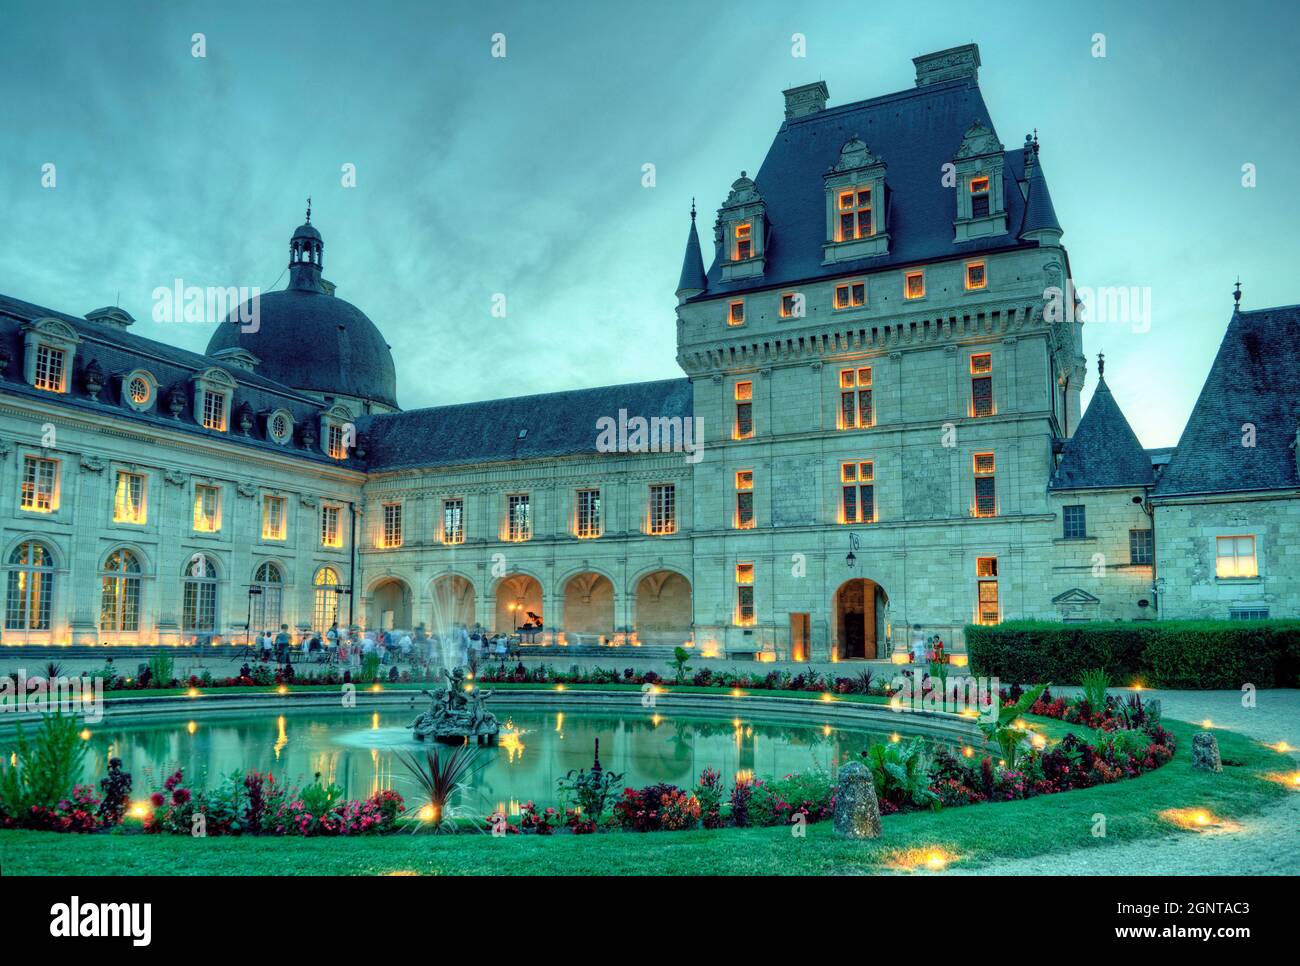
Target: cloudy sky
[(523, 175)]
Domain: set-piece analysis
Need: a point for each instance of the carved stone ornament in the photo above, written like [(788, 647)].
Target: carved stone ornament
[(247, 490), (175, 477), (978, 141), (855, 154), (93, 464), (308, 501)]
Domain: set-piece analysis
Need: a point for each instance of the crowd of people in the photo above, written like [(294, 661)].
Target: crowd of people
[(350, 647)]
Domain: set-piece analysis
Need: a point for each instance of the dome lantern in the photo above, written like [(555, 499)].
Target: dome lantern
[(306, 248)]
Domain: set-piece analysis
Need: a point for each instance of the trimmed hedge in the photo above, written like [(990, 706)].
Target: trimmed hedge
[(1191, 655)]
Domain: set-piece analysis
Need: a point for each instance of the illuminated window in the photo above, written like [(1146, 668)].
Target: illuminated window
[(744, 594), (119, 599), (280, 427), (51, 369), (744, 243), (975, 276), (338, 446), (1141, 547), (129, 498), (207, 508), (519, 519), (851, 295), (274, 517), (914, 285), (392, 525), (745, 500), (331, 525), (453, 521), (1235, 557), (855, 215), (199, 595), (587, 524), (736, 313), (857, 492), (792, 305), (1074, 522), (214, 411), (856, 409), (140, 391), (40, 492), (986, 501), (31, 588), (744, 427), (267, 606), (663, 508), (986, 582), (981, 385), (328, 596), (979, 197)]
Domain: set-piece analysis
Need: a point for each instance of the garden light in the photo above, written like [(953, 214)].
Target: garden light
[(1198, 820), (85, 734), (1038, 741), (968, 751), (282, 689), (1207, 723), (191, 727), (140, 810), (193, 692), (932, 859), (1281, 746), (827, 696)]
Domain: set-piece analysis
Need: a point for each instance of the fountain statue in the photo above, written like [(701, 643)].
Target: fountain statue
[(456, 713)]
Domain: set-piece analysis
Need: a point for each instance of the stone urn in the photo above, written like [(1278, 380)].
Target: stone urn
[(93, 379), (857, 812), (1205, 752), (176, 401)]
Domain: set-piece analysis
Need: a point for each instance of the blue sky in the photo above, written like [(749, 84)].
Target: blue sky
[(522, 175)]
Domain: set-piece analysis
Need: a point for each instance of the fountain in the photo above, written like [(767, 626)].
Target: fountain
[(456, 713)]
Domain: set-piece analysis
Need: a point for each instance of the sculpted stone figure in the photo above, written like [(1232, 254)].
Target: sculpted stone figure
[(456, 713)]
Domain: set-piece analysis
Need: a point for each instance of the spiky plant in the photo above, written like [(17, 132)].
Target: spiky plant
[(438, 779), (1003, 731), (1094, 684)]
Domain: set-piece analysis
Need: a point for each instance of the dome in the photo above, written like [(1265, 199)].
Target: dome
[(308, 339)]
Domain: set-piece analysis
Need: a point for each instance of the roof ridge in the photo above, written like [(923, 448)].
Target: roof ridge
[(901, 95), (535, 395)]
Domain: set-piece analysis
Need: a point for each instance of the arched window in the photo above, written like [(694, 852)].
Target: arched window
[(31, 587), (267, 604), (328, 599), (199, 605), (119, 608)]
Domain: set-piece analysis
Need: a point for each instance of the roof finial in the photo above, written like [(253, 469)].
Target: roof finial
[(692, 210), (1101, 364), (1236, 296), (309, 209)]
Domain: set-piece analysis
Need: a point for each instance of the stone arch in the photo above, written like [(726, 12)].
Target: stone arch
[(521, 591), (452, 601), (860, 607), (664, 612), (389, 605), (588, 607)]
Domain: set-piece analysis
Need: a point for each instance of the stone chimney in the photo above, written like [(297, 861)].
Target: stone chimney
[(805, 100), (110, 315), (946, 65)]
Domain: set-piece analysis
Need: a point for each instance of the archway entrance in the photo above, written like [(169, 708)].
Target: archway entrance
[(663, 608), (861, 609), (390, 606), (517, 597), (588, 608), (453, 603)]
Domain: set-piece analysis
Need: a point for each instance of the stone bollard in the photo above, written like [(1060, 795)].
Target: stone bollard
[(1205, 752), (857, 813)]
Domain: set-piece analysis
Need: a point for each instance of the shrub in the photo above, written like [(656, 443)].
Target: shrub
[(589, 790), (46, 768), (116, 786), (709, 792)]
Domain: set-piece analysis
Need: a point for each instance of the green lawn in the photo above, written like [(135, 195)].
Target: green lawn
[(976, 834)]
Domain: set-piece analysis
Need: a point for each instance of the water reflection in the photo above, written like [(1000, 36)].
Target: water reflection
[(357, 750)]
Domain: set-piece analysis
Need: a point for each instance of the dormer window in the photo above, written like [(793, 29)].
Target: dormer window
[(981, 206), (739, 233), (139, 390), (744, 247), (855, 215), (338, 449), (279, 427), (49, 350), (736, 313), (337, 432), (856, 205), (979, 197), (214, 412), (213, 391), (51, 373)]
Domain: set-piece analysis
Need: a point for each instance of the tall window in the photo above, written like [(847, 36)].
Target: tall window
[(736, 313), (981, 385), (40, 484), (986, 493), (855, 215), (792, 305), (744, 594), (519, 517), (1141, 547), (214, 411), (979, 197), (31, 588), (914, 285), (745, 500), (975, 276), (207, 508), (744, 242), (850, 295), (51, 369), (663, 508), (392, 525), (268, 604), (588, 516), (129, 498), (274, 517), (1075, 522), (325, 609), (1235, 557), (331, 525), (119, 608), (453, 521), (744, 428), (986, 581), (857, 492), (338, 447), (199, 595), (856, 410)]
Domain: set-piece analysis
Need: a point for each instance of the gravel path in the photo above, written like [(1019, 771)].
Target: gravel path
[(1268, 843)]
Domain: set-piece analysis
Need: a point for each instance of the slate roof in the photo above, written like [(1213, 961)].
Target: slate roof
[(119, 351), (1255, 379), (1039, 212), (693, 276), (915, 132), (1103, 451), (555, 424)]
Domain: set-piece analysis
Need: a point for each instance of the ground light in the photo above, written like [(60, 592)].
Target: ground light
[(140, 810), (1281, 746), (1198, 820), (1287, 779), (193, 692), (926, 859), (1207, 723)]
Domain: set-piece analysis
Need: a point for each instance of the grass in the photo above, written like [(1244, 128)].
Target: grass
[(976, 835)]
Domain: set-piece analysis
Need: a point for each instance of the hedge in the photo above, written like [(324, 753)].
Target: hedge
[(1162, 654)]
